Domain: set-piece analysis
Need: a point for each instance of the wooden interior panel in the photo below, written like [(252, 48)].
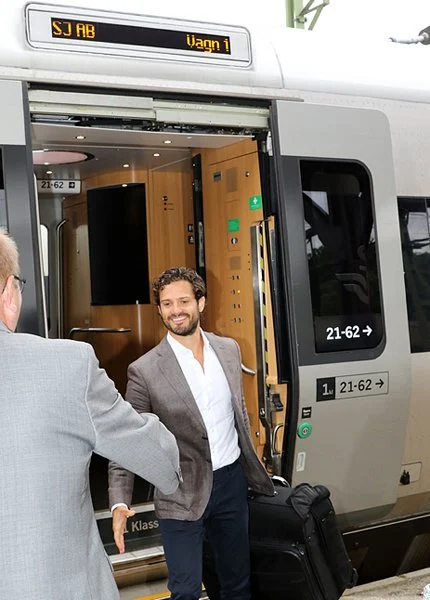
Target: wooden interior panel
[(225, 153), (169, 212), (116, 351), (117, 177), (230, 179)]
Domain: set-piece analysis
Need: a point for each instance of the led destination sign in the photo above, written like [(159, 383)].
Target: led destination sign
[(111, 33), (119, 35)]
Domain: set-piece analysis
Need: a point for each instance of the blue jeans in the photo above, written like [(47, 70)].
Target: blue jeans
[(225, 523)]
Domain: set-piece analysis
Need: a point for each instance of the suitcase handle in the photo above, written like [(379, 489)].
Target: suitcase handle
[(279, 481)]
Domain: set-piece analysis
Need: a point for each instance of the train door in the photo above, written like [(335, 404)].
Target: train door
[(342, 287), (18, 206)]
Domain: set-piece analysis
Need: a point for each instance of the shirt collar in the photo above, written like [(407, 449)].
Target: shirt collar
[(179, 348)]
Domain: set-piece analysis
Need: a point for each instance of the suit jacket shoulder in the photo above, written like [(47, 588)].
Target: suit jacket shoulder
[(149, 357), (216, 339)]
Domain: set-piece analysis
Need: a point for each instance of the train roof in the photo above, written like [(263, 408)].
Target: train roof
[(282, 60)]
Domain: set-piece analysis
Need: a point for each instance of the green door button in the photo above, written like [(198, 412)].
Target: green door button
[(304, 430)]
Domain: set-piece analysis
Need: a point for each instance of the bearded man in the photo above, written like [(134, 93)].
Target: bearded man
[(193, 382)]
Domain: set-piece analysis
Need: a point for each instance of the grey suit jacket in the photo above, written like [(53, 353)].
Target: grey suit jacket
[(156, 384), (57, 407)]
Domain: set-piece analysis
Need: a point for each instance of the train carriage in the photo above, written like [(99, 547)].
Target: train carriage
[(130, 143)]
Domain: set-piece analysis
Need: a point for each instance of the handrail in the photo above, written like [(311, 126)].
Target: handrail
[(276, 457), (275, 431), (59, 255), (75, 330), (248, 370)]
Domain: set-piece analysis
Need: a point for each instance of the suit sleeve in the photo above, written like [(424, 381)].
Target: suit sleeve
[(121, 481), (140, 443)]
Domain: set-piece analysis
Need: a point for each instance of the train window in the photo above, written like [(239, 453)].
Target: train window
[(3, 215), (341, 252), (414, 216)]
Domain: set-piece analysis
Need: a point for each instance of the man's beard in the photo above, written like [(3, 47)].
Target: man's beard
[(187, 328)]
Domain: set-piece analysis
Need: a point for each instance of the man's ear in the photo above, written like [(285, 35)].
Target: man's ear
[(8, 292), (9, 302), (201, 304)]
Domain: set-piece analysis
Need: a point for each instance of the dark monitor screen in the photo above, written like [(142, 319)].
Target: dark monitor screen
[(118, 245)]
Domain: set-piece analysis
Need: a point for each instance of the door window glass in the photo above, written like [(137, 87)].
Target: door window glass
[(341, 252)]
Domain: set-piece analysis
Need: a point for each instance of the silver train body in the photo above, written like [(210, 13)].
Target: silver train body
[(333, 118)]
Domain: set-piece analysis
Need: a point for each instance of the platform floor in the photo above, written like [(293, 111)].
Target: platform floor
[(404, 587)]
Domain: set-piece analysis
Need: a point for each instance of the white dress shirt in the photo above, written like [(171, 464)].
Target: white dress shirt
[(212, 394)]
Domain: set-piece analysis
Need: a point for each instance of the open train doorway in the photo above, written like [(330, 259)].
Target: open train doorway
[(128, 187)]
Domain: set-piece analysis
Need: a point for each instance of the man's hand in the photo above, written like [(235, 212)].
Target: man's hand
[(119, 522)]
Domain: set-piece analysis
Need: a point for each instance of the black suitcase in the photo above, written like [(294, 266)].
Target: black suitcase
[(297, 550)]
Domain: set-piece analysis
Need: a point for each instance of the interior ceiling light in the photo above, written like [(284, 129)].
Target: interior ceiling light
[(156, 154), (60, 157), (124, 184), (126, 165), (49, 172), (167, 141), (80, 137)]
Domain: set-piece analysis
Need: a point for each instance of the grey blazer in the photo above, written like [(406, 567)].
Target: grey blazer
[(57, 407), (156, 384)]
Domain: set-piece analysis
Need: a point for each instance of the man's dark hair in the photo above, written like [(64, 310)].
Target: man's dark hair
[(179, 274)]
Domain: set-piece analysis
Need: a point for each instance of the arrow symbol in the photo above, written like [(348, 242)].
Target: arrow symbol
[(379, 383), (368, 330)]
